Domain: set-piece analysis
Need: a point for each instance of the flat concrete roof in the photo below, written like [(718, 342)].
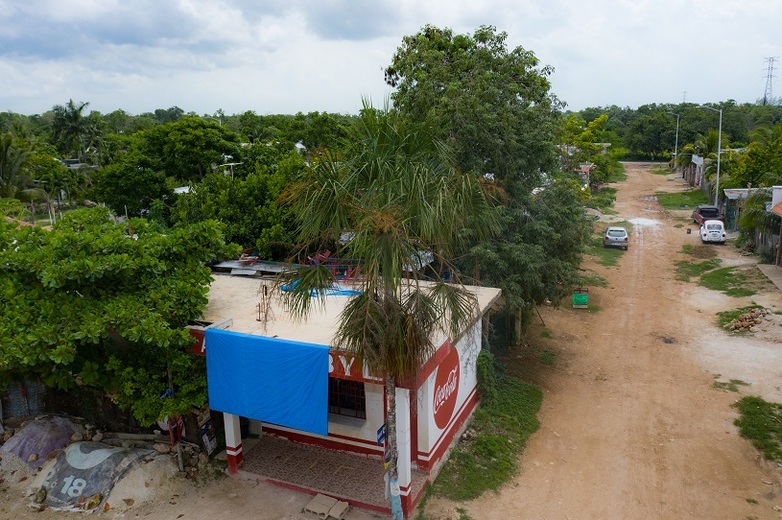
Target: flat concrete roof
[(238, 298)]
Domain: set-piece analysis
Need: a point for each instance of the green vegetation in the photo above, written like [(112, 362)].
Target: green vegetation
[(545, 333), (686, 269), (682, 200), (731, 386), (548, 357), (98, 306), (592, 279), (734, 281), (603, 198), (486, 456), (607, 256), (661, 171), (761, 423)]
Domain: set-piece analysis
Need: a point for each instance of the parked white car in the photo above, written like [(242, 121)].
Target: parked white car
[(713, 231)]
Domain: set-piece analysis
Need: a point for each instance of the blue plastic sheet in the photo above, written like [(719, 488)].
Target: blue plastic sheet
[(268, 379)]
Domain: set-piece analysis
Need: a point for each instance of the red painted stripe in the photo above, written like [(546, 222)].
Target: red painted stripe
[(445, 440), (433, 362), (370, 450)]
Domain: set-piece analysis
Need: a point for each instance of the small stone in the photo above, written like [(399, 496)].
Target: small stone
[(161, 448), (8, 434), (77, 436), (97, 437), (94, 501), (128, 501), (33, 457), (40, 495), (203, 459)]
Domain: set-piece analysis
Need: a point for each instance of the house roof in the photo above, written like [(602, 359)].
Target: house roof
[(242, 300), (777, 209)]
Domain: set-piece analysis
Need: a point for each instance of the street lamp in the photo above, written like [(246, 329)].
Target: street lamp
[(719, 152), (676, 144)]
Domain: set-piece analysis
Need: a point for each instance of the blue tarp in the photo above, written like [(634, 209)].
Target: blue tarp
[(272, 380)]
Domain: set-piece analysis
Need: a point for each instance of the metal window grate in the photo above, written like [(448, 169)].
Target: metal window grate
[(347, 398)]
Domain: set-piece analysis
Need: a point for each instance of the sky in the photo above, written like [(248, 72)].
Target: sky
[(289, 56)]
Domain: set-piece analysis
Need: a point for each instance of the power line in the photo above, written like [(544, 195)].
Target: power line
[(768, 94)]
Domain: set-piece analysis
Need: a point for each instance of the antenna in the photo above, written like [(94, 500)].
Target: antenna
[(768, 93), (684, 96)]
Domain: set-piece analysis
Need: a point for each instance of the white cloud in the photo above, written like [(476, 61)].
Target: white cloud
[(286, 56)]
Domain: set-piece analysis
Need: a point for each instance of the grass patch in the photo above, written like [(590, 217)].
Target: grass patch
[(731, 281), (546, 333), (548, 357), (486, 455), (592, 280), (686, 269), (699, 251), (592, 308), (607, 256), (761, 423), (682, 199), (725, 317), (602, 199), (661, 171), (617, 174), (731, 386)]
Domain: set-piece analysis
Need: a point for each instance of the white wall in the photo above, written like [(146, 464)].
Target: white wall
[(429, 434)]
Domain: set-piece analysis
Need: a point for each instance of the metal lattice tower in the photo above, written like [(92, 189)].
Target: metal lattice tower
[(768, 94)]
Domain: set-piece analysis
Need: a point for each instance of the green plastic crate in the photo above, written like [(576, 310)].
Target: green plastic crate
[(580, 299)]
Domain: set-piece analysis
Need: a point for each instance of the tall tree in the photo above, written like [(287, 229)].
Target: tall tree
[(399, 196), (72, 130), (491, 104)]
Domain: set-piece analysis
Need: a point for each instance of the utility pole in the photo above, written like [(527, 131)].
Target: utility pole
[(768, 93)]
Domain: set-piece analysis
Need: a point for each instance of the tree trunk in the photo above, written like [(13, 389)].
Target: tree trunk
[(391, 446)]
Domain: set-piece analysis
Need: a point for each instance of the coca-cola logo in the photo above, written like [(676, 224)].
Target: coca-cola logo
[(446, 389)]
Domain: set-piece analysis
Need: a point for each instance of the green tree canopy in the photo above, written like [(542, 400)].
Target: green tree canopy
[(93, 293), (491, 104)]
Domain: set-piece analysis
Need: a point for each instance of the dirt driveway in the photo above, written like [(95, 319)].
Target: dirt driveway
[(632, 425)]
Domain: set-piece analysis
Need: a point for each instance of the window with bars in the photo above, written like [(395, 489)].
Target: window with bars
[(347, 398)]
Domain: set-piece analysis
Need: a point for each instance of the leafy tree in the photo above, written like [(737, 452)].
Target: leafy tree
[(542, 244), (14, 155), (399, 195), (761, 165), (247, 207), (93, 293), (72, 130), (131, 184), (492, 105), (188, 149)]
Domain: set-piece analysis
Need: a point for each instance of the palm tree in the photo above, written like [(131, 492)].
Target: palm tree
[(13, 159), (397, 197), (71, 128)]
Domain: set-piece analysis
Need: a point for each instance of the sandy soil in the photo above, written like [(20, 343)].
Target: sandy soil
[(632, 425)]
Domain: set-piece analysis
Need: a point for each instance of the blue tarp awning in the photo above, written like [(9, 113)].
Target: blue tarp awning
[(268, 379)]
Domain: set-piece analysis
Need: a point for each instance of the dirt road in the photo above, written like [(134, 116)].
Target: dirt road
[(632, 426)]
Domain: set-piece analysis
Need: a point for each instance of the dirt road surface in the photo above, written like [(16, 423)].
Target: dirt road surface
[(632, 426)]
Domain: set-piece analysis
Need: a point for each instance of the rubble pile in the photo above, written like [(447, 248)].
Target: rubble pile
[(746, 321)]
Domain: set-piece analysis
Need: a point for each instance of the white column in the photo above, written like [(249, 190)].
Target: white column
[(403, 439), (233, 442)]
